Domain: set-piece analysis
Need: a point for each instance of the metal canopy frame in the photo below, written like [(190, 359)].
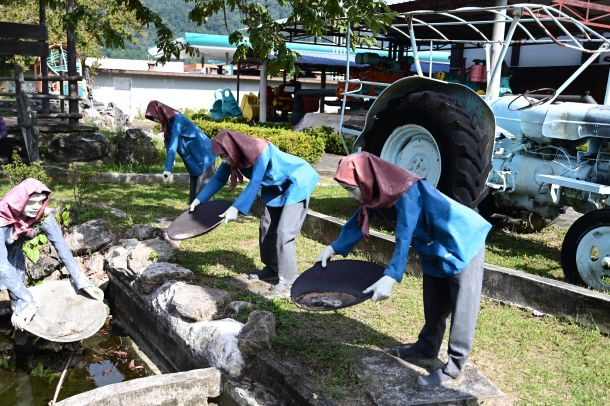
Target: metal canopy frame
[(527, 23)]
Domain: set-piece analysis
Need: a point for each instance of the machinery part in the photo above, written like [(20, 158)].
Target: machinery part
[(585, 253), (548, 92), (425, 127)]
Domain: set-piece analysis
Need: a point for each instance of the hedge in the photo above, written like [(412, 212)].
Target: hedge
[(305, 145)]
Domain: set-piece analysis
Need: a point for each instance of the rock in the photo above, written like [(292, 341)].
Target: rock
[(218, 341), (248, 393), (135, 147), (116, 261), (89, 237), (239, 305), (55, 276), (215, 341), (5, 344), (70, 148), (5, 303), (197, 303), (47, 263), (258, 332), (156, 274), (95, 271), (147, 252), (144, 232)]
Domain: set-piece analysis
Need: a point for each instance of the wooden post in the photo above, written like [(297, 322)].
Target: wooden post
[(44, 68), (26, 118), (71, 49)]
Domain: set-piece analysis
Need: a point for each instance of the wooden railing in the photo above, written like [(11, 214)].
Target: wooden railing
[(27, 116)]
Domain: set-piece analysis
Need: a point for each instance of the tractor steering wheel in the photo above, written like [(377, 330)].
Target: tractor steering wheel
[(545, 90)]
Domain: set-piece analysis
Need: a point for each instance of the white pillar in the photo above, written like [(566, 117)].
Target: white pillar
[(607, 96), (262, 90), (498, 35)]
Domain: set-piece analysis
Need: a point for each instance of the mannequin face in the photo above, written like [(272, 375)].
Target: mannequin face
[(34, 204), (353, 191)]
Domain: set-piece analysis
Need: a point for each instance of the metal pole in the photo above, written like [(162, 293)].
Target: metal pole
[(71, 49), (262, 90), (496, 47), (607, 97)]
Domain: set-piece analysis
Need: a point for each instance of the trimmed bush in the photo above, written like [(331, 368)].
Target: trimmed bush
[(332, 142), (304, 145)]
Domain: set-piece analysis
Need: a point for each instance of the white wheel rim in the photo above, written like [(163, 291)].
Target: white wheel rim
[(412, 147), (592, 256)]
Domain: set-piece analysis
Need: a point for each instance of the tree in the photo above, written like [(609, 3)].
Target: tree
[(112, 22)]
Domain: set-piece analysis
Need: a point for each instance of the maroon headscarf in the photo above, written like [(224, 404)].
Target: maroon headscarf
[(160, 113), (13, 203), (380, 182), (241, 149)]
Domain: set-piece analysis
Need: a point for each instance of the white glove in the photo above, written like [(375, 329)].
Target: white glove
[(195, 203), (94, 293), (382, 289), (230, 214), (166, 174), (325, 255), (24, 317)]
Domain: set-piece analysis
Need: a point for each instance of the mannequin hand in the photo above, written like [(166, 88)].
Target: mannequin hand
[(382, 289), (325, 255), (166, 174), (230, 214), (23, 318), (94, 293), (195, 203)]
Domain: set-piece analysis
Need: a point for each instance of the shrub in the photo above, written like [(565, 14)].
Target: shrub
[(17, 171), (332, 141), (80, 179), (301, 144)]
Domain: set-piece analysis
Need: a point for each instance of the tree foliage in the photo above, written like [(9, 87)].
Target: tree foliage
[(110, 23)]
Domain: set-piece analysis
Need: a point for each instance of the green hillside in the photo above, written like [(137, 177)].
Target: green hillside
[(175, 14)]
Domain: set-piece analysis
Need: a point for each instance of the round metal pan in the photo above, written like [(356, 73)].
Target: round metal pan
[(63, 314), (203, 219), (338, 285)]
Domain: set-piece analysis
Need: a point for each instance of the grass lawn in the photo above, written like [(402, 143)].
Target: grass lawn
[(534, 360)]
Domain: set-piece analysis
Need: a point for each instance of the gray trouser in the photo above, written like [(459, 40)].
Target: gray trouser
[(196, 183), (278, 229), (459, 296)]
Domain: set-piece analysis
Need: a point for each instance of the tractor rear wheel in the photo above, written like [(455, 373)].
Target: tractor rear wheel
[(433, 135)]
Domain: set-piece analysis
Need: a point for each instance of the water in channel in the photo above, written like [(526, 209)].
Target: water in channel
[(30, 368)]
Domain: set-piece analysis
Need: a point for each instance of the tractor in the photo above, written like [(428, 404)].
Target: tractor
[(531, 154)]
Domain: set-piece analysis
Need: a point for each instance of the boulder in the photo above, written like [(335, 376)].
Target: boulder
[(89, 237), (135, 147), (71, 148), (197, 303), (47, 263), (239, 305), (144, 232), (149, 251), (158, 273), (258, 333), (214, 341)]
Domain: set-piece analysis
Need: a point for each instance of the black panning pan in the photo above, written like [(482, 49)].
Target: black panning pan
[(203, 219), (338, 285)]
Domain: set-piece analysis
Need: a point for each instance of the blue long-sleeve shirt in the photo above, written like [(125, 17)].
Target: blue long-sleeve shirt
[(12, 262), (284, 179), (193, 146), (446, 234)]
